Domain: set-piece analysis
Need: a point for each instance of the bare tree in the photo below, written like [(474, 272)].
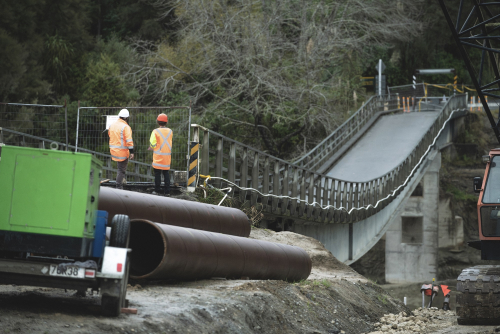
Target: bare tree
[(277, 69)]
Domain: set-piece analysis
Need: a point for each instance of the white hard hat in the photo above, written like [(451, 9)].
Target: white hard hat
[(124, 113)]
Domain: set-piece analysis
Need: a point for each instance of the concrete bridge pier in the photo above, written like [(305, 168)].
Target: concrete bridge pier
[(411, 242)]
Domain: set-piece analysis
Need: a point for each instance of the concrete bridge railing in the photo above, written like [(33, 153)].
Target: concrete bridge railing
[(291, 190)]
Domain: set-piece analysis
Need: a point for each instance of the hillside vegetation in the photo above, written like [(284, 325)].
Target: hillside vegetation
[(278, 75)]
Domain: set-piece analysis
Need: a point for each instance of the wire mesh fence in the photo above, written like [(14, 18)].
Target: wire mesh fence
[(136, 171), (418, 98), (46, 121), (92, 131), (15, 138)]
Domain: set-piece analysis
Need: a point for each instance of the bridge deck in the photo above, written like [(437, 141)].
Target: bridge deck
[(386, 144)]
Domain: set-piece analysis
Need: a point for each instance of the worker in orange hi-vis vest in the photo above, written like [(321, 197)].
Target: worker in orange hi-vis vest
[(121, 145), (161, 145)]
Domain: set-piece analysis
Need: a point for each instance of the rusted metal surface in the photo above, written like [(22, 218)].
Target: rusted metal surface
[(171, 252), (165, 210)]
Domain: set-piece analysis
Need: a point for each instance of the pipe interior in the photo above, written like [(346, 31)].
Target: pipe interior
[(147, 247)]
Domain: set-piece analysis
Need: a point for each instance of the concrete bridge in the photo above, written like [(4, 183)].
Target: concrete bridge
[(378, 174), (410, 223), (349, 191)]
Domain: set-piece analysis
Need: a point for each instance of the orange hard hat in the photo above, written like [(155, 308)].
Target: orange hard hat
[(162, 118)]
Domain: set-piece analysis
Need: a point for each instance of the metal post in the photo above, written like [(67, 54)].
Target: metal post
[(66, 123), (189, 141), (77, 125), (193, 164), (380, 77), (414, 91), (196, 134), (205, 151), (193, 158)]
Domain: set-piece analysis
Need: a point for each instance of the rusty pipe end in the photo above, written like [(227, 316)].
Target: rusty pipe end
[(149, 247)]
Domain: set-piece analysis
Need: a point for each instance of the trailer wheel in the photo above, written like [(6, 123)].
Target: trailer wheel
[(120, 231), (114, 294), (111, 306)]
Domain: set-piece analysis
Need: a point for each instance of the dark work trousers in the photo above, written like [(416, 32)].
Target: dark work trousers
[(166, 178), (122, 168)]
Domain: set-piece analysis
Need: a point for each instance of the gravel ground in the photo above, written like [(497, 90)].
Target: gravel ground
[(426, 320), (334, 299)]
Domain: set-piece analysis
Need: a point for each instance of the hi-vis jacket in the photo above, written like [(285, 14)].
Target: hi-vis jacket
[(161, 142), (120, 140)]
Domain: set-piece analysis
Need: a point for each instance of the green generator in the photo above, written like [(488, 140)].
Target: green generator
[(48, 200), (51, 233)]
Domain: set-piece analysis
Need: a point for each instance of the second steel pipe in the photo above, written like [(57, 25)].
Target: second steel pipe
[(170, 252), (173, 211)]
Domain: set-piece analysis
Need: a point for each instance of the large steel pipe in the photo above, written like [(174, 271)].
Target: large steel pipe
[(165, 210), (170, 252)]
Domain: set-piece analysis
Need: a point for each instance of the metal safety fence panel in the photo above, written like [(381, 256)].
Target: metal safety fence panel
[(137, 171), (408, 91), (45, 121), (92, 134), (287, 189)]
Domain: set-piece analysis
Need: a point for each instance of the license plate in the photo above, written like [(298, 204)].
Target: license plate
[(68, 271)]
